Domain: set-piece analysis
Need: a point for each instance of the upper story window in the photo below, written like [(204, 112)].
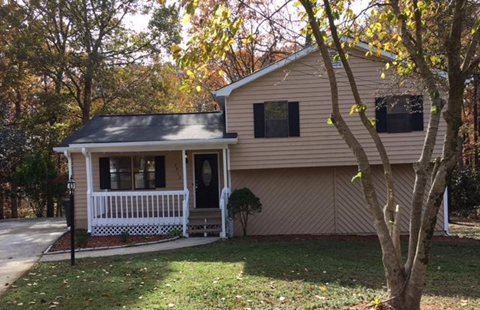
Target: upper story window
[(396, 114), (336, 61), (127, 172), (276, 119)]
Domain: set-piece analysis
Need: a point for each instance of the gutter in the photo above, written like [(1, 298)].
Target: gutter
[(79, 146)]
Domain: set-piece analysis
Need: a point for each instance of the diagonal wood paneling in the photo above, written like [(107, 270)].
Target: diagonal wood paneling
[(314, 200), (296, 201), (353, 215)]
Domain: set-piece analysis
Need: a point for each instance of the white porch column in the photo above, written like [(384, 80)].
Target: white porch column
[(185, 197), (229, 170), (184, 169), (223, 234), (88, 161), (225, 177), (70, 169)]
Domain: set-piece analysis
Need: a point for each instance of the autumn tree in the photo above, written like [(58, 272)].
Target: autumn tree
[(404, 28), (255, 41)]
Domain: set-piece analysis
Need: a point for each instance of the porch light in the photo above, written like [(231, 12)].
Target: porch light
[(71, 190), (71, 186)]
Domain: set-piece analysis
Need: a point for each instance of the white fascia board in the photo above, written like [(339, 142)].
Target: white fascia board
[(227, 90), (149, 145)]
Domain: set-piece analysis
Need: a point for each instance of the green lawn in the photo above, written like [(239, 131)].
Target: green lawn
[(241, 275)]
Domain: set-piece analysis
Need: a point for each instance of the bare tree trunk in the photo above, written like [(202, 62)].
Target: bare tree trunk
[(50, 207), (2, 203), (475, 120), (87, 98), (13, 202)]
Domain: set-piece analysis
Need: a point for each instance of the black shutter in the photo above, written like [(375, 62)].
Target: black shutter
[(259, 120), (104, 173), (293, 119), (416, 102), (160, 179), (381, 114)]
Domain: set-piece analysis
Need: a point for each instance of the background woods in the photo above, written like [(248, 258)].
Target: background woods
[(63, 62)]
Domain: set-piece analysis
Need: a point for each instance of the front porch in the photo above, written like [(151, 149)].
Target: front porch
[(151, 174), (192, 200)]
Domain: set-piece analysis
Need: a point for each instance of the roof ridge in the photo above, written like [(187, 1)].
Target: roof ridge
[(156, 114)]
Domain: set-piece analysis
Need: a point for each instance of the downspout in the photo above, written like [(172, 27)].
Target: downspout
[(445, 212)]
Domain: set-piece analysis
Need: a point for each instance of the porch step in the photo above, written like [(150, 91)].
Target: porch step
[(205, 221), (203, 231)]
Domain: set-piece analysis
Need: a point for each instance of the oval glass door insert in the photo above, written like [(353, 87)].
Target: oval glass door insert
[(206, 173)]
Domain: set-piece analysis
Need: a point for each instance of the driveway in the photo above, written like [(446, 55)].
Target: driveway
[(22, 243)]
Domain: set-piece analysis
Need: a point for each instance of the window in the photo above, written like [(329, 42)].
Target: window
[(137, 172), (144, 172), (276, 119), (120, 173), (395, 114), (336, 61)]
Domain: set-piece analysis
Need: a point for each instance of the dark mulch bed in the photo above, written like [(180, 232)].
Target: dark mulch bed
[(348, 238), (63, 243)]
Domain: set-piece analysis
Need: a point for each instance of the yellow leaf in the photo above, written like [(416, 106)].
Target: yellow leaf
[(382, 75), (198, 88), (387, 65), (186, 18), (353, 109)]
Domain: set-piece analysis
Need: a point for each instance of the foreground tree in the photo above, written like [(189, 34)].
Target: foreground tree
[(404, 27)]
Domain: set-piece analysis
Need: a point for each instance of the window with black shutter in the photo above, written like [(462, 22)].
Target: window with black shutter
[(137, 172), (144, 172), (395, 114), (121, 173), (276, 119)]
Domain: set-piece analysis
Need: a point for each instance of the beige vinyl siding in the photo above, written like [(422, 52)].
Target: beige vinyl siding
[(173, 171), (319, 144), (320, 200), (80, 176)]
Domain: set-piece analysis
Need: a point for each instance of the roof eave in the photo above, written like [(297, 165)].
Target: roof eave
[(148, 145), (227, 90)]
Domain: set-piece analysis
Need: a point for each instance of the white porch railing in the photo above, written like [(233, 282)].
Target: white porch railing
[(145, 208), (223, 208)]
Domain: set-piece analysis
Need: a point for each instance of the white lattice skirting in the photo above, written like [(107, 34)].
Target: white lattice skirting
[(134, 230)]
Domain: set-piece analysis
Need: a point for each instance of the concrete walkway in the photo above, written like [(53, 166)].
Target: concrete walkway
[(22, 242), (172, 245)]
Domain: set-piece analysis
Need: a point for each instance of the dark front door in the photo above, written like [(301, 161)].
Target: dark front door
[(206, 180)]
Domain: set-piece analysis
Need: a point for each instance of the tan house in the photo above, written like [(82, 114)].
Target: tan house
[(149, 174)]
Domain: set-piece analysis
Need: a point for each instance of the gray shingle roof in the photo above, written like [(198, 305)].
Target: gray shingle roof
[(151, 127)]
